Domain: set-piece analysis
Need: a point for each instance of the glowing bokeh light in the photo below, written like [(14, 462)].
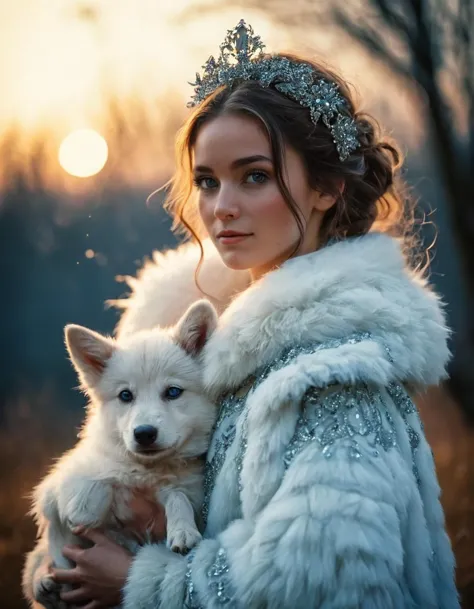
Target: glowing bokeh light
[(83, 153)]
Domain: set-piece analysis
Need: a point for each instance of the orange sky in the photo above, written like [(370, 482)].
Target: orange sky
[(62, 60)]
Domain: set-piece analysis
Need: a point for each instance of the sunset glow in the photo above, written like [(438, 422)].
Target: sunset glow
[(83, 153), (63, 61), (125, 68)]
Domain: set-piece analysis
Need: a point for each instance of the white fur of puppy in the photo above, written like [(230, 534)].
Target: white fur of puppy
[(148, 422)]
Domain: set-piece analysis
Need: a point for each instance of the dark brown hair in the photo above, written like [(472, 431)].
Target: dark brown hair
[(372, 196)]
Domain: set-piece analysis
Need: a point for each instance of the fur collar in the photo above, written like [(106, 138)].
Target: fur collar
[(360, 285)]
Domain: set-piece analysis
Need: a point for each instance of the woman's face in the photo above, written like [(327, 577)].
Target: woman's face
[(240, 203)]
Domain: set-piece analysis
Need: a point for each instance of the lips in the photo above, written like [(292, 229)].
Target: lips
[(231, 233), (232, 240), (231, 237)]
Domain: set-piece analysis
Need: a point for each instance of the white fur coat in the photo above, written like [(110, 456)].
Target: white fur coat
[(327, 496)]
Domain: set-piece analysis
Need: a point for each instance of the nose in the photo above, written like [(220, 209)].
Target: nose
[(226, 204), (145, 435)]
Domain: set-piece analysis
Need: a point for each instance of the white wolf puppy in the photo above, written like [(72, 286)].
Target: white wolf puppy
[(147, 426)]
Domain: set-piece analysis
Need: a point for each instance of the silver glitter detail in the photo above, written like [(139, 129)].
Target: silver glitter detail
[(242, 449), (351, 412), (344, 133), (218, 580), (342, 416), (242, 58), (407, 407), (190, 601), (285, 358), (291, 353), (231, 405)]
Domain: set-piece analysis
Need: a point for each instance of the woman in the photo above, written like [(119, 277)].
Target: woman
[(321, 488)]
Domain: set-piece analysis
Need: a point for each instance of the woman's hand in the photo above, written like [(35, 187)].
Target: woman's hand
[(148, 522), (100, 572)]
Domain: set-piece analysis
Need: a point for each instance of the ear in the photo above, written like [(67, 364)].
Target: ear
[(323, 201), (89, 352), (196, 326)]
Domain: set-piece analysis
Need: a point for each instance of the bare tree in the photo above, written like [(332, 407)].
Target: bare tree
[(429, 43)]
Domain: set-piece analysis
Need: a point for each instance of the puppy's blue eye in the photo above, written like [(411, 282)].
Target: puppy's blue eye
[(125, 396), (171, 393)]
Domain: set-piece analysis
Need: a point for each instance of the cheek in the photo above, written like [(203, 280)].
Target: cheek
[(121, 418), (170, 428), (273, 213), (206, 210), (112, 419)]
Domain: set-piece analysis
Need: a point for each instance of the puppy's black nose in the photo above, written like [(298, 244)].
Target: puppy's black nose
[(145, 435)]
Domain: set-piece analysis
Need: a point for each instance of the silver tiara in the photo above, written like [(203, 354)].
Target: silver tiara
[(242, 58)]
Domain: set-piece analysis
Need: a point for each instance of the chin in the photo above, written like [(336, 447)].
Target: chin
[(235, 261), (238, 260)]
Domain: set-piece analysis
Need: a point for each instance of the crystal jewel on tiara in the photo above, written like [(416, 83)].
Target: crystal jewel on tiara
[(242, 57)]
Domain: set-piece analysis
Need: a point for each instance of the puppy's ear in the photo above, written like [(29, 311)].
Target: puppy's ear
[(89, 352), (196, 326)]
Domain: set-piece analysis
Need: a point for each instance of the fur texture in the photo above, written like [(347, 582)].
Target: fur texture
[(358, 285), (328, 533), (139, 434), (166, 286)]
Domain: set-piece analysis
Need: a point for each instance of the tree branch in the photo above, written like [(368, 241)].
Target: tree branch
[(397, 21), (370, 38)]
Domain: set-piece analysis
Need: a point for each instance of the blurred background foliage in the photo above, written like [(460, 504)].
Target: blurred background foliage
[(64, 241)]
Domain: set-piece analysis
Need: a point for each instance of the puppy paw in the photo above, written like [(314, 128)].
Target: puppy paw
[(182, 540), (46, 593)]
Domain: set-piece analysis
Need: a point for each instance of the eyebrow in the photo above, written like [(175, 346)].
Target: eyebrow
[(247, 160)]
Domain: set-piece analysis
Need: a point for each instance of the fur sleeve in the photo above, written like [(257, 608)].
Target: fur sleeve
[(166, 286), (331, 537)]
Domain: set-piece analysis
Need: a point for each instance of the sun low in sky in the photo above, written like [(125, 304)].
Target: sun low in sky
[(83, 153), (69, 63)]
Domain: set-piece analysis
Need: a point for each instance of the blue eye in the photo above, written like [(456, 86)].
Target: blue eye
[(205, 183), (171, 393), (125, 396), (259, 177)]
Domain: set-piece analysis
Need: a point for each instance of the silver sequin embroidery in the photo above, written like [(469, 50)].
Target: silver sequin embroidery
[(350, 413), (218, 581), (233, 405), (342, 415), (407, 407), (190, 601)]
